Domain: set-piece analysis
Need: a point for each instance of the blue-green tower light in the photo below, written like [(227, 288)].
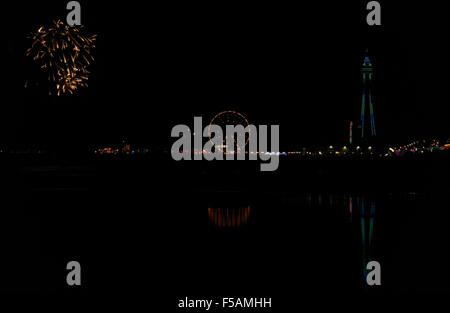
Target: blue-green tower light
[(367, 74)]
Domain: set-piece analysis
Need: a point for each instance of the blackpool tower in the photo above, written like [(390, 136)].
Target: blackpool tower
[(367, 120)]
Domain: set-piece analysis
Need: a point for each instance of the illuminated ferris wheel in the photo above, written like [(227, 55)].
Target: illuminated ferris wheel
[(230, 118)]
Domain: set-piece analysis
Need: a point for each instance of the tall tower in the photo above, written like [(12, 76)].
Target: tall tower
[(367, 74)]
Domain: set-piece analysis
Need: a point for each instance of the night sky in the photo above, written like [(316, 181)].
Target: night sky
[(297, 66)]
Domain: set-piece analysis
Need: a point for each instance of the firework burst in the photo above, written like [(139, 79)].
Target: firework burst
[(65, 53)]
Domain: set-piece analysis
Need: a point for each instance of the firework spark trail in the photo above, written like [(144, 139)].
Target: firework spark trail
[(65, 53)]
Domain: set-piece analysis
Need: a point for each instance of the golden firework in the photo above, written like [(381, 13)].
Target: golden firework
[(65, 53)]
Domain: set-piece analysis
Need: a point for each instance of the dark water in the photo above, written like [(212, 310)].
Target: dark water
[(141, 234)]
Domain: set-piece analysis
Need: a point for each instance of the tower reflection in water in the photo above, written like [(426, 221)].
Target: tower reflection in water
[(360, 210), (367, 212), (229, 216)]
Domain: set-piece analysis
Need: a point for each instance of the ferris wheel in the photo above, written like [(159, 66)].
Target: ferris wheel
[(232, 118)]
